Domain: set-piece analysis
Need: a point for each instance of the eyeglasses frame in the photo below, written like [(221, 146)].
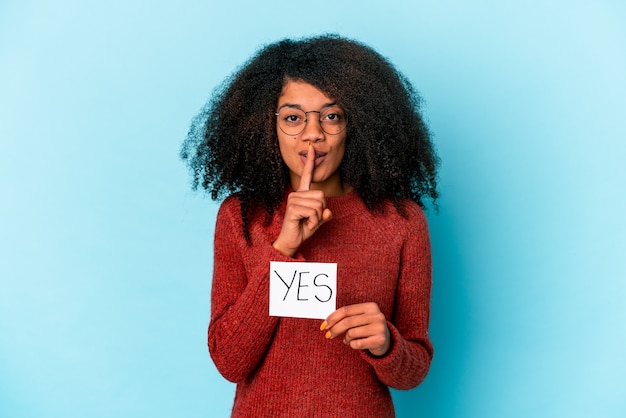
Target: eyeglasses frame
[(306, 114)]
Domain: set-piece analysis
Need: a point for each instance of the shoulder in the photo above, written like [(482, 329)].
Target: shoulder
[(248, 222), (230, 205), (230, 210), (407, 210), (408, 219), (407, 216), (414, 212)]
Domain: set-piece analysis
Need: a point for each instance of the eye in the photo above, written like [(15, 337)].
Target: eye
[(332, 116), (291, 117)]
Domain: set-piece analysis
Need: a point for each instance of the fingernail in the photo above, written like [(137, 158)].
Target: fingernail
[(327, 335), (323, 326)]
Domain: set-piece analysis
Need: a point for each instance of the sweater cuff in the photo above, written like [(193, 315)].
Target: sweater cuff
[(275, 255), (393, 355)]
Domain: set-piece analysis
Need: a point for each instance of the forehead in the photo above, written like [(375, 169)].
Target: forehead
[(305, 95)]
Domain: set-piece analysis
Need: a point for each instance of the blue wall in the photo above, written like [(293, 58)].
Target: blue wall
[(105, 253)]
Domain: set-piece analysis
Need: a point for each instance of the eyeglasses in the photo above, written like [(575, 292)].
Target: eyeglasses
[(292, 120)]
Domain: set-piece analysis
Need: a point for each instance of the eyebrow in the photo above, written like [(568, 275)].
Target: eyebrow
[(297, 106)]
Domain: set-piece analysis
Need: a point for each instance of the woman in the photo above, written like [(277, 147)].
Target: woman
[(323, 155)]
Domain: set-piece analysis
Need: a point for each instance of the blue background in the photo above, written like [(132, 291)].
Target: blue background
[(105, 253)]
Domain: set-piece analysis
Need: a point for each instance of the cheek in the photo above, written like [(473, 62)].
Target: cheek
[(341, 150), (285, 147)]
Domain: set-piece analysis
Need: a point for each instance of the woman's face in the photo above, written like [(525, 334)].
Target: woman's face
[(329, 149)]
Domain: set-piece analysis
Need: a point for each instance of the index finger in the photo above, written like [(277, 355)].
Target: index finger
[(307, 170), (344, 312)]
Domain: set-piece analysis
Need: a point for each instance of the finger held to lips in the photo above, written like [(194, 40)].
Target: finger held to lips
[(307, 170)]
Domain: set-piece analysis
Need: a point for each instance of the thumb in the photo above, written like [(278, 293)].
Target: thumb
[(327, 215)]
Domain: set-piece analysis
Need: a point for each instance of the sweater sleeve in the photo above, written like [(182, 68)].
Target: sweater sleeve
[(240, 329), (408, 361)]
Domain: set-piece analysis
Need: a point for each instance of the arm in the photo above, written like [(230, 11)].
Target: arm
[(398, 348), (240, 330), (408, 360)]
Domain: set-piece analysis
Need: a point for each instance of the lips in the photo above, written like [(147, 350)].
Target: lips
[(319, 157)]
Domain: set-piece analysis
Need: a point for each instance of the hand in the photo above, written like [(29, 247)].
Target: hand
[(364, 327), (306, 211)]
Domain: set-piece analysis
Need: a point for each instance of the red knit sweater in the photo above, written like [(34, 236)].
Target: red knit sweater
[(284, 367)]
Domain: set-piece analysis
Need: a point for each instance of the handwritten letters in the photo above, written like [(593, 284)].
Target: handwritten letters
[(303, 290)]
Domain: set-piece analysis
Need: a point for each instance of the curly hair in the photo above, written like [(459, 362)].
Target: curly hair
[(232, 145)]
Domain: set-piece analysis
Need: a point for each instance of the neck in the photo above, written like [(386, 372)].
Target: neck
[(332, 186), (338, 190)]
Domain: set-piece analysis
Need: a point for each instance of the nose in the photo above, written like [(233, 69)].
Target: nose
[(313, 128)]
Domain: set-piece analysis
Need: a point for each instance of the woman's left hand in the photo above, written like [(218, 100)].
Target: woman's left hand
[(364, 327)]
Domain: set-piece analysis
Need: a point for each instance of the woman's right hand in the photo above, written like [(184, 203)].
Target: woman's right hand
[(306, 211)]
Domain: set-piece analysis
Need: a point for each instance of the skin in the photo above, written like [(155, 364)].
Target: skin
[(313, 158)]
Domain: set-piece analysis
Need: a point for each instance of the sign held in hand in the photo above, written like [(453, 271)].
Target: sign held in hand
[(303, 290)]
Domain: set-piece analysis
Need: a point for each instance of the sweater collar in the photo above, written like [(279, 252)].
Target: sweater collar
[(346, 205)]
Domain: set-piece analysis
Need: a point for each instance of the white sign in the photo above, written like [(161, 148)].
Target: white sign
[(303, 290)]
